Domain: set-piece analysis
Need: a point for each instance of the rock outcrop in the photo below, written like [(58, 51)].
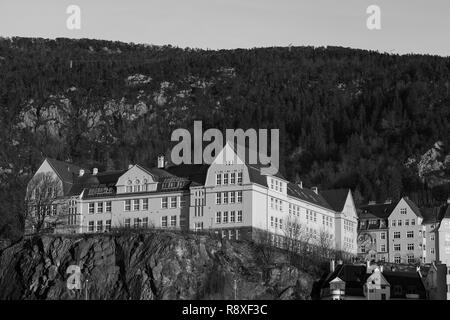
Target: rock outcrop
[(153, 265)]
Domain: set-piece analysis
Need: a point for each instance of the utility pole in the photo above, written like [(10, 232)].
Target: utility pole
[(235, 289), (86, 289)]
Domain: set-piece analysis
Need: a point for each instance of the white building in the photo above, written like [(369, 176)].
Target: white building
[(231, 198)]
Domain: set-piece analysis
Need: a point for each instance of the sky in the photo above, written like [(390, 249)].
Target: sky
[(407, 26)]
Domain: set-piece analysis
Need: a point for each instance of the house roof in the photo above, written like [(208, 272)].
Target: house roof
[(307, 195), (413, 206), (65, 170), (406, 280), (336, 198), (380, 210), (354, 276)]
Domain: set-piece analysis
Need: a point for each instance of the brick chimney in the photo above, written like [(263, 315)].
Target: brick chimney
[(332, 265), (130, 166), (81, 172), (315, 189), (94, 171)]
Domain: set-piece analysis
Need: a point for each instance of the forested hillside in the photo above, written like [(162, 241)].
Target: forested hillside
[(347, 118)]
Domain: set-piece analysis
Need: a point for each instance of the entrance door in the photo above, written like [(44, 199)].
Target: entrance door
[(383, 296)]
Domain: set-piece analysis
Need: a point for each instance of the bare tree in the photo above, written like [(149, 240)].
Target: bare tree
[(41, 204), (298, 240)]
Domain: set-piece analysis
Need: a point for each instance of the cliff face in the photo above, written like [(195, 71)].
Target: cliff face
[(147, 266)]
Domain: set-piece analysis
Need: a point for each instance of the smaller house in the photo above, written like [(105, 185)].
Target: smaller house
[(376, 286)]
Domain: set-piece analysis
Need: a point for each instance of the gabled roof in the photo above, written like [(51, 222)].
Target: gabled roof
[(194, 172), (380, 210), (406, 280), (413, 206), (336, 198), (65, 170), (354, 276)]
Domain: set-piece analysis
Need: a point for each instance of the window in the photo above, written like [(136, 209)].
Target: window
[(232, 178), (218, 179), (399, 223), (127, 222), (271, 221), (182, 202), (137, 222), (108, 225), (393, 223), (383, 236), (237, 235), (403, 211), (137, 188), (136, 204), (108, 206), (54, 210), (145, 222), (127, 205), (91, 226), (91, 207), (410, 246), (164, 202), (239, 179), (99, 207), (225, 197), (432, 237), (99, 225), (218, 198), (410, 234), (363, 249), (129, 189), (411, 258), (407, 222), (173, 221), (232, 216), (397, 235), (218, 217), (383, 248), (413, 222), (225, 217), (225, 178), (145, 204), (432, 250), (173, 202), (397, 247), (239, 197), (397, 259), (239, 216), (164, 222), (232, 197)]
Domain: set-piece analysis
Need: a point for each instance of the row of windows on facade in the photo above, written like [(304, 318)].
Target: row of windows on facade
[(100, 207), (397, 259), (397, 247), (50, 192), (165, 222), (229, 234), (277, 185), (228, 197), (349, 226), (409, 234), (348, 243), (48, 210), (222, 217), (228, 178), (399, 223)]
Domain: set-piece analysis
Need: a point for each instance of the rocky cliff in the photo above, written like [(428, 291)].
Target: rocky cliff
[(153, 265)]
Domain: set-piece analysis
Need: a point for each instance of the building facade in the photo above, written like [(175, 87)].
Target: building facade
[(228, 197)]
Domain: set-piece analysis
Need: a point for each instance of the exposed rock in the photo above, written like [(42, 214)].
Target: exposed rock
[(146, 266)]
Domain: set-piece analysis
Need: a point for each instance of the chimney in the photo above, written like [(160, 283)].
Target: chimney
[(368, 266), (315, 190), (94, 171), (340, 262), (382, 269), (300, 184), (331, 265), (81, 172), (161, 163), (130, 166)]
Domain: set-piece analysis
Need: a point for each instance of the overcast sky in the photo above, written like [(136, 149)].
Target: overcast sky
[(407, 26)]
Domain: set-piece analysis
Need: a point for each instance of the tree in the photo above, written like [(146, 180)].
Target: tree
[(297, 239), (41, 202)]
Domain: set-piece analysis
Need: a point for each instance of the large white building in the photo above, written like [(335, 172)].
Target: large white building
[(229, 197)]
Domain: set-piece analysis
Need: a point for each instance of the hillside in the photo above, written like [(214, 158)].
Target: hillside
[(347, 118), (149, 266)]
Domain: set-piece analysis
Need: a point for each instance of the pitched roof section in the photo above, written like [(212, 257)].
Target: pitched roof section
[(65, 170), (380, 210), (307, 195), (336, 198), (194, 172), (354, 276), (413, 206)]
